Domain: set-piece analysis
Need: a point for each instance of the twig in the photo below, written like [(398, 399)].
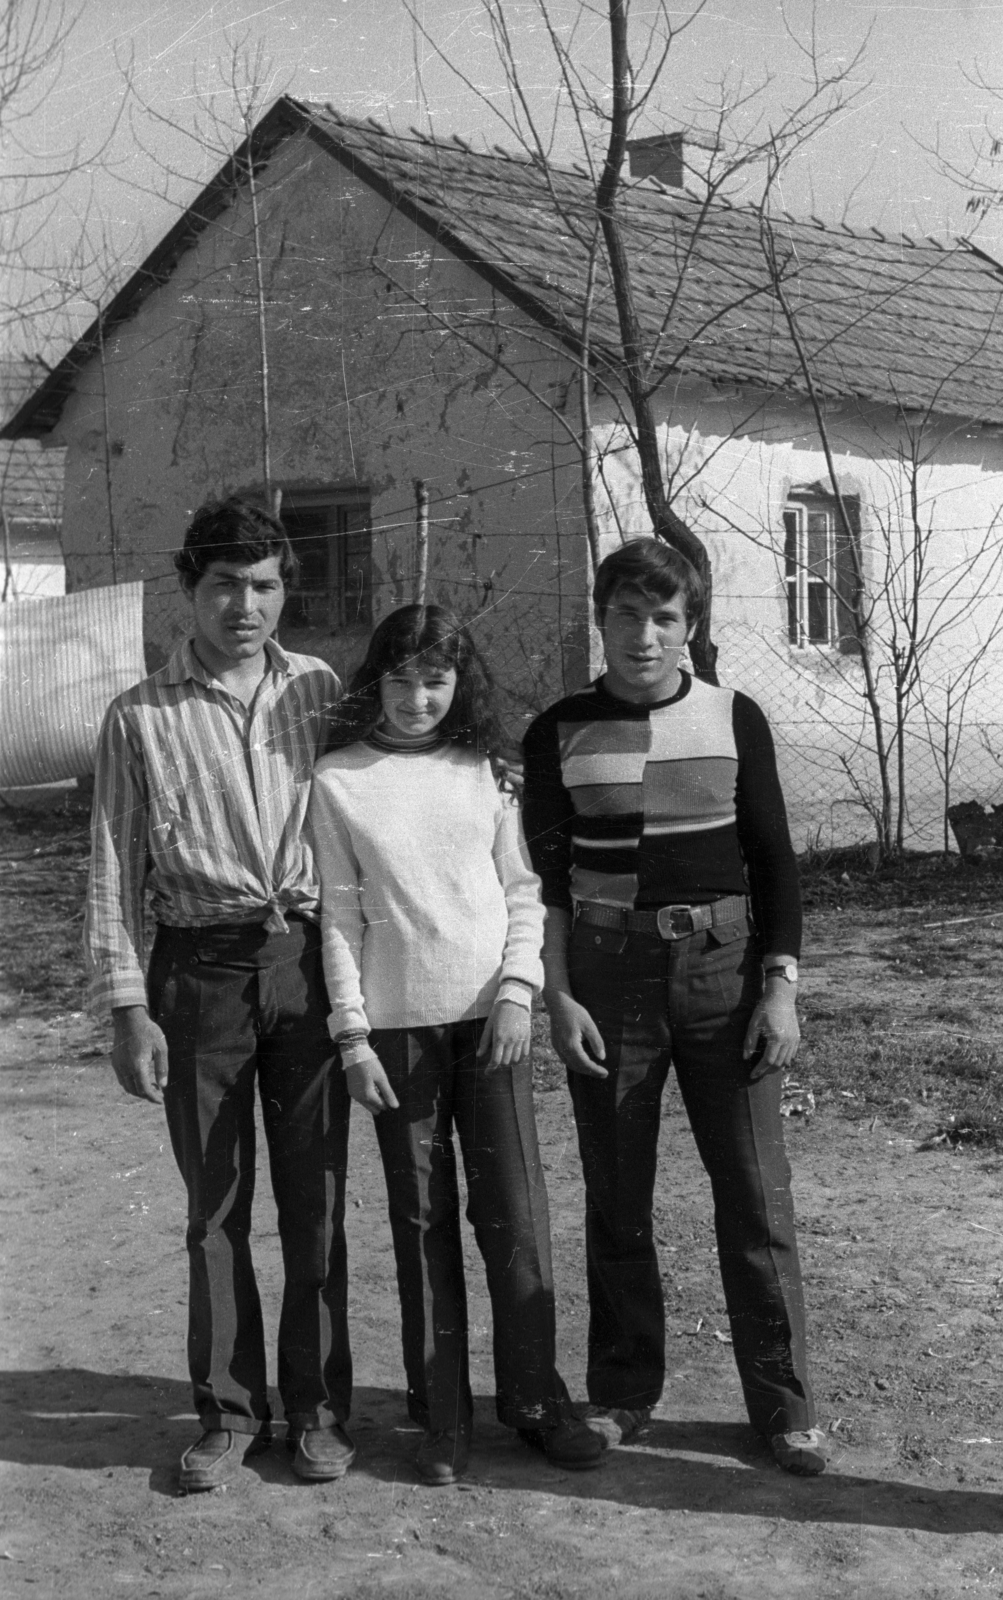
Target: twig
[(953, 922)]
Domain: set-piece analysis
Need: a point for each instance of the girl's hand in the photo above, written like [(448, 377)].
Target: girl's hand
[(506, 1035), (369, 1085)]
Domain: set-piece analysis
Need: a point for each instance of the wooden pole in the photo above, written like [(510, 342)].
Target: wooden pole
[(421, 564), (9, 589)]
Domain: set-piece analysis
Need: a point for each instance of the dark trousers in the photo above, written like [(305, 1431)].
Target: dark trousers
[(439, 1083), (685, 1003), (240, 1006)]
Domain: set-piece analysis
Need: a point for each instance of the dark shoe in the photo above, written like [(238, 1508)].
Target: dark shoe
[(614, 1425), (206, 1464), (442, 1457), (568, 1443), (803, 1453), (321, 1454)]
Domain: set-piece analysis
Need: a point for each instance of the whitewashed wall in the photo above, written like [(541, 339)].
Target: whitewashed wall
[(735, 461)]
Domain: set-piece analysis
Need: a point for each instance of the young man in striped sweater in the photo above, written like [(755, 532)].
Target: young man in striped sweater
[(200, 794), (656, 822)]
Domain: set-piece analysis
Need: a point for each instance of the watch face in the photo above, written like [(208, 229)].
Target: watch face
[(786, 970)]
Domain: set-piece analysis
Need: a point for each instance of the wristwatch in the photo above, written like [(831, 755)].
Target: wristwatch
[(783, 969)]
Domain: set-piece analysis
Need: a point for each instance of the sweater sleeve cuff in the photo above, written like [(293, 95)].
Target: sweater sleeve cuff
[(354, 1050), (521, 994)]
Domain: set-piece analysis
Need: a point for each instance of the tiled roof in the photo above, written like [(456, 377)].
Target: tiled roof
[(882, 319), (31, 479)]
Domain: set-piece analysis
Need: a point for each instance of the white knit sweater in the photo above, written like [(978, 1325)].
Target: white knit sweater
[(428, 901)]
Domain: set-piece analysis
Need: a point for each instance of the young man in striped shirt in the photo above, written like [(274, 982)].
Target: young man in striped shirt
[(656, 822), (203, 774)]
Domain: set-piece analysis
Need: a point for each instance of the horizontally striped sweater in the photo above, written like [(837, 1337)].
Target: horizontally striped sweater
[(673, 803)]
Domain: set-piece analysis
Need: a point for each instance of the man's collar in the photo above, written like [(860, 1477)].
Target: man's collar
[(184, 663), (641, 707)]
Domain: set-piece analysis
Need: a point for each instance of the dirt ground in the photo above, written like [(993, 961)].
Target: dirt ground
[(901, 1256)]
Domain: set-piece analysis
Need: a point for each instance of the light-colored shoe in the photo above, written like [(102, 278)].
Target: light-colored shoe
[(321, 1454), (614, 1424), (205, 1464), (803, 1453)]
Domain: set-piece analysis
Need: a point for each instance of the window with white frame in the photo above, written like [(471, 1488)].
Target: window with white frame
[(822, 572)]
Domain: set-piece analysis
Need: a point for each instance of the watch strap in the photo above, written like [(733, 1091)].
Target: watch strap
[(782, 969)]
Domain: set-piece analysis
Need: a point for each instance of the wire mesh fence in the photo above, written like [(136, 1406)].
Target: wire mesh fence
[(827, 746), (539, 645), (536, 635)]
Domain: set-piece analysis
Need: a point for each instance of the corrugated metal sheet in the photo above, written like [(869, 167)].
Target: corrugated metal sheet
[(61, 664)]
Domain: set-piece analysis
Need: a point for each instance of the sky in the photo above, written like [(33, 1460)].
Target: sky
[(915, 90)]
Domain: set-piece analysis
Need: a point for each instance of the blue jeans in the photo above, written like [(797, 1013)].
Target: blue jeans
[(685, 1003), (241, 1007)]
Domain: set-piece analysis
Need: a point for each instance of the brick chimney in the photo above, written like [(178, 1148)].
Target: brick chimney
[(670, 157)]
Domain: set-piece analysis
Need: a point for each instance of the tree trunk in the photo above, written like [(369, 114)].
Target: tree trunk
[(666, 524)]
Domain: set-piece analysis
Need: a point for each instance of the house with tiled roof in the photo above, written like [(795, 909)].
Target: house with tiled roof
[(423, 306), (31, 497)]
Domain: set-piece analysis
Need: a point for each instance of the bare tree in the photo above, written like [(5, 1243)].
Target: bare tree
[(34, 179), (900, 608), (228, 105), (604, 232)]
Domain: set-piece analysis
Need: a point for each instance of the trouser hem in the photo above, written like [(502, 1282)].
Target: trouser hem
[(298, 1422), (528, 1419), (797, 1417), (635, 1400), (227, 1421), (462, 1417)]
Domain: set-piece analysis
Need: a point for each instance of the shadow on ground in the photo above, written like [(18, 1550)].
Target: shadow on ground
[(91, 1421)]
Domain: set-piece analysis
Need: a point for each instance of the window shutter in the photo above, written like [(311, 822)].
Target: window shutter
[(849, 591), (791, 575)]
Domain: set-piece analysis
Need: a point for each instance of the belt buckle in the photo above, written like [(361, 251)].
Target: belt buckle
[(666, 925)]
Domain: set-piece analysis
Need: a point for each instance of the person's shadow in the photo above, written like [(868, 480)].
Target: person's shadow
[(90, 1421)]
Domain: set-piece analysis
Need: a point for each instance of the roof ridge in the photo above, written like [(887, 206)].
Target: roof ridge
[(419, 136), (651, 185)]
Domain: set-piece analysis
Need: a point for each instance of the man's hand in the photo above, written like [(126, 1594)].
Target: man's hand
[(774, 1025), (139, 1053), (506, 1035), (574, 1035), (369, 1085)]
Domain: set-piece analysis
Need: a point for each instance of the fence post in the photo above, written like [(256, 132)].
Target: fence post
[(421, 564), (8, 570)]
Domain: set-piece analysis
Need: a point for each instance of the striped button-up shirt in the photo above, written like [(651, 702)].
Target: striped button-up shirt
[(201, 800)]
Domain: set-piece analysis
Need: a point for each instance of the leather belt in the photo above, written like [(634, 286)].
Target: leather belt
[(668, 922)]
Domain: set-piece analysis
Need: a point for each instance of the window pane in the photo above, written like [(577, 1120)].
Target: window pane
[(334, 589), (818, 612), (791, 543), (819, 523), (793, 621)]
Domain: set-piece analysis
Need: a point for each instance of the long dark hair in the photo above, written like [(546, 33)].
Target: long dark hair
[(426, 636)]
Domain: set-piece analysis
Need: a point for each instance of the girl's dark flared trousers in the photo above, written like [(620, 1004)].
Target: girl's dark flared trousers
[(440, 1084)]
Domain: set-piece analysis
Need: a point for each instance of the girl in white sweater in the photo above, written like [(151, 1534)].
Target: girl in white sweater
[(432, 926)]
